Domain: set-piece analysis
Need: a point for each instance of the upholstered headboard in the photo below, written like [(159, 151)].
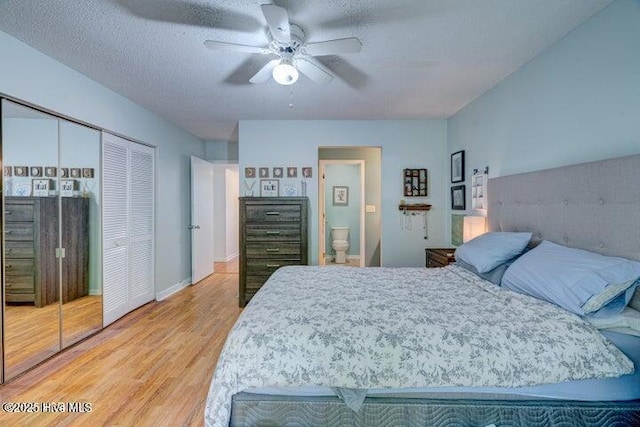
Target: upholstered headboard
[(593, 206)]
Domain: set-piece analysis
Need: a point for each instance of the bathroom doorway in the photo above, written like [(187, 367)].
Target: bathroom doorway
[(342, 212)]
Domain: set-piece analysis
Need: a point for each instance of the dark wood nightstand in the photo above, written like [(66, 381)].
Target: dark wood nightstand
[(439, 257)]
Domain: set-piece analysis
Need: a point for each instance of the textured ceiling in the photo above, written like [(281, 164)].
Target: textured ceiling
[(420, 58)]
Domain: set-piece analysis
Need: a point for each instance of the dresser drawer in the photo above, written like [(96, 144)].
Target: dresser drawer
[(281, 232), (272, 213), (19, 267), (253, 283), (288, 250), (264, 267), (19, 284), (19, 249), (18, 231), (17, 212)]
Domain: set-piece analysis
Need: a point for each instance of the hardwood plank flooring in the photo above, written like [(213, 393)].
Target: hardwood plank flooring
[(152, 367)]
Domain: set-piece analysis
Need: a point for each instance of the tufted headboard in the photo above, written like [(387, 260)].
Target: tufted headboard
[(593, 206)]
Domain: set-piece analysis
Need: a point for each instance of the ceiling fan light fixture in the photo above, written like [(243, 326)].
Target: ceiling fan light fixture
[(285, 73)]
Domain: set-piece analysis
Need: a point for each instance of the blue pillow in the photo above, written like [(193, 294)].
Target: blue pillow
[(494, 276), (489, 250), (579, 281)]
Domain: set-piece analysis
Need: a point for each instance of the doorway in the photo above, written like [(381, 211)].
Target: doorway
[(342, 207)]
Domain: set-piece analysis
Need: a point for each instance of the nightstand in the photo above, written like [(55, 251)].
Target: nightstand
[(439, 257)]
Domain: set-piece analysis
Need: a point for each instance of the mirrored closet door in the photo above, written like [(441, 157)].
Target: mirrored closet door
[(51, 279)]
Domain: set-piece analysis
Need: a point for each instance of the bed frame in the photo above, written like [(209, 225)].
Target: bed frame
[(593, 206)]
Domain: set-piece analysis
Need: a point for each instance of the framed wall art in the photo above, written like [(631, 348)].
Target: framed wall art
[(415, 182), (458, 198), (249, 172), (340, 195), (457, 167)]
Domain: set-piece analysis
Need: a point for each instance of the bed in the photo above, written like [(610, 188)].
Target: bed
[(444, 346)]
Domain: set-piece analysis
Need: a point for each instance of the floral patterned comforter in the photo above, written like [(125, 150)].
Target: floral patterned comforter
[(367, 328)]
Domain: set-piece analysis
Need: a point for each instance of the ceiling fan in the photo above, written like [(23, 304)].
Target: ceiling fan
[(286, 40)]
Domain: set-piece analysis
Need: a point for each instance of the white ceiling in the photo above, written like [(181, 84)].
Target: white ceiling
[(420, 58)]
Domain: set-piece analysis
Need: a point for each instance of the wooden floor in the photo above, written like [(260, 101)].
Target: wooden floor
[(150, 368), (31, 334)]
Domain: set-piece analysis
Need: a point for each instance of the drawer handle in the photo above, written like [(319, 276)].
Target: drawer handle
[(8, 212), (273, 213), (273, 233), (273, 249), (9, 267), (8, 232), (273, 265)]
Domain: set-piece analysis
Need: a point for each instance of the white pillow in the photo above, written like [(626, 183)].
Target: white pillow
[(627, 322), (489, 250), (579, 281)]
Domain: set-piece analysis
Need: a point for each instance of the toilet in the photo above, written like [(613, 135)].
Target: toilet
[(340, 243)]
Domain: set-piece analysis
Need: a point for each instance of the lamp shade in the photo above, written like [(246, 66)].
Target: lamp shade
[(472, 227), (285, 73)]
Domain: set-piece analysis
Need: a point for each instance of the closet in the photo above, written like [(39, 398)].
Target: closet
[(51, 228), (129, 224), (78, 225)]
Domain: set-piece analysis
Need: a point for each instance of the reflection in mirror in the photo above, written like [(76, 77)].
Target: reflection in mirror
[(80, 219), (32, 311)]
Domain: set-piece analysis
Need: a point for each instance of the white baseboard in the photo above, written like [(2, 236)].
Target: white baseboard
[(227, 259), (173, 289), (95, 292)]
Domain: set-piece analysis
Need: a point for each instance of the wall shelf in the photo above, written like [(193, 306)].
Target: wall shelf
[(415, 207), (479, 191)]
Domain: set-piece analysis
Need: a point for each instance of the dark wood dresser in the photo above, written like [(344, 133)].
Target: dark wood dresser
[(439, 257), (31, 239), (273, 233)]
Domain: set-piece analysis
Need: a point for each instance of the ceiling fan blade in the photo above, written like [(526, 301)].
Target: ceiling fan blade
[(333, 47), (265, 72), (314, 69), (278, 21), (216, 45)]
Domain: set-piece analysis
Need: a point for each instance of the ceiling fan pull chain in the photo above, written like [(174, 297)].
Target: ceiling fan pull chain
[(291, 97)]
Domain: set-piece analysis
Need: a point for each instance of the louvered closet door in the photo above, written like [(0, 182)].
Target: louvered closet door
[(141, 225), (115, 220)]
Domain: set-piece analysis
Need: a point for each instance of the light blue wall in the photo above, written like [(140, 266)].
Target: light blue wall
[(576, 102), (405, 144), (343, 216), (28, 75)]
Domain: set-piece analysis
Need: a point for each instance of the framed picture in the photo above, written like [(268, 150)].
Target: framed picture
[(307, 172), (8, 171), (415, 182), (64, 173), (36, 171), (340, 195), (51, 171), (87, 172), (269, 188), (41, 187), (458, 198), (292, 172), (249, 172), (457, 166), (76, 173), (264, 172), (21, 171), (67, 187), (277, 172)]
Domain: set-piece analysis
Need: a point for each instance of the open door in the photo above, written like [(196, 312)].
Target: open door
[(356, 207), (201, 219)]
